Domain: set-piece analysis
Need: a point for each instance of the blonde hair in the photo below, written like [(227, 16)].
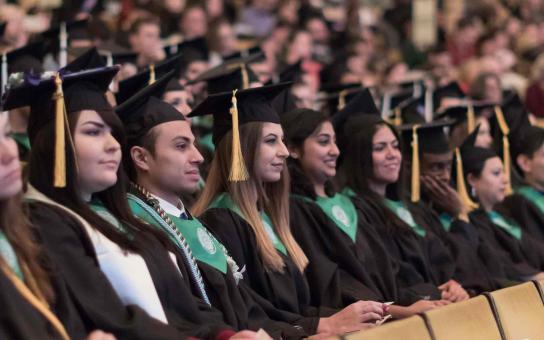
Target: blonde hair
[(273, 198)]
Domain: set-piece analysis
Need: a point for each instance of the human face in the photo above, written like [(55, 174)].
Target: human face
[(10, 167), (174, 166), (146, 40), (492, 89), (318, 159), (98, 154), (533, 168), (386, 157), (484, 139), (491, 185), (271, 154), (181, 100), (437, 166), (194, 23)]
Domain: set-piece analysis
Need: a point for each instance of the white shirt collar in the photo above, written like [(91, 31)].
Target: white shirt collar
[(169, 208)]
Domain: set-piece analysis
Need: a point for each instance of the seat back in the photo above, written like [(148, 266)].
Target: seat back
[(520, 311), (472, 319), (412, 328)]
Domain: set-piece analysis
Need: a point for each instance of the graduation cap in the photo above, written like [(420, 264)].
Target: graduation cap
[(451, 90), (194, 49), (145, 109), (57, 37), (52, 98), (337, 95), (91, 59), (361, 103), (233, 109), (25, 59), (468, 112), (284, 102), (428, 137), (255, 50), (234, 74), (130, 86)]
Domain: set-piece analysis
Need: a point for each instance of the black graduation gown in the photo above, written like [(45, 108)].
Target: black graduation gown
[(287, 291), (525, 213), (19, 320), (71, 252), (359, 270), (521, 258)]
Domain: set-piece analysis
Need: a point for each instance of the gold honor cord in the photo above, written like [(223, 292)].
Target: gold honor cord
[(416, 190), (461, 185), (471, 118), (238, 171), (507, 162), (36, 303), (152, 76)]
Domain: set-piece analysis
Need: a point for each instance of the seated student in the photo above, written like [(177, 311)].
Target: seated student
[(163, 162), (26, 289), (114, 266), (526, 204), (372, 172), (484, 172), (245, 203), (328, 226)]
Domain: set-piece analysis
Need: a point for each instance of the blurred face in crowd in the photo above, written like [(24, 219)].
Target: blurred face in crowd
[(181, 100), (318, 30), (194, 23), (386, 157), (174, 6), (492, 90), (303, 95), (214, 8), (483, 139), (226, 39), (533, 168), (491, 185), (300, 47), (147, 42), (10, 167), (15, 33)]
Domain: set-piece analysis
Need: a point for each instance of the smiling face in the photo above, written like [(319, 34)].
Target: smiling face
[(98, 154), (10, 167), (386, 157), (271, 154), (319, 154)]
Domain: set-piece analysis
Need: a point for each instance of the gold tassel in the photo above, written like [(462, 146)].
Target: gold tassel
[(342, 99), (416, 191), (397, 121), (245, 76), (471, 118), (238, 171), (507, 162), (152, 76), (461, 185), (59, 180)]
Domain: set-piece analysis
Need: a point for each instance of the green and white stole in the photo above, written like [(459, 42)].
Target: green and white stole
[(405, 215), (204, 246), (10, 258), (225, 201), (509, 226), (340, 209), (531, 194), (446, 221)]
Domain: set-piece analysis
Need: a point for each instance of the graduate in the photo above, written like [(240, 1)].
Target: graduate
[(526, 204), (245, 203), (163, 163), (372, 173), (485, 175), (330, 229), (121, 276)]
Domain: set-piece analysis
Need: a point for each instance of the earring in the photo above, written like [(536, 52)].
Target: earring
[(473, 191), (294, 155)]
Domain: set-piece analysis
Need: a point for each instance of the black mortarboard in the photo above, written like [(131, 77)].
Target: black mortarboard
[(231, 75), (468, 112), (194, 49), (255, 50), (52, 35), (174, 85), (25, 59), (284, 102), (88, 60), (114, 54), (145, 110), (451, 90), (128, 87), (53, 97), (362, 103), (337, 95)]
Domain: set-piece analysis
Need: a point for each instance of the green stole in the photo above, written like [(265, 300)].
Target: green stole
[(8, 254), (405, 215), (510, 227), (225, 201), (532, 195), (340, 209), (22, 139), (204, 245), (99, 208), (446, 220)]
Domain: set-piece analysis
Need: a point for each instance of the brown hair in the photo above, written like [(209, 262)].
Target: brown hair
[(271, 197)]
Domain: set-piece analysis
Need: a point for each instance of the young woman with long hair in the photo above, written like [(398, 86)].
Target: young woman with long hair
[(249, 209)]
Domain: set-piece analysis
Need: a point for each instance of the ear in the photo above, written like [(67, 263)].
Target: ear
[(294, 152), (140, 158), (524, 162)]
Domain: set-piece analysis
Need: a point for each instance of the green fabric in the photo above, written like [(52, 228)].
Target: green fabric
[(405, 215), (446, 220), (8, 254), (532, 195), (509, 226), (204, 246), (207, 142), (99, 208), (225, 201), (22, 139), (349, 192)]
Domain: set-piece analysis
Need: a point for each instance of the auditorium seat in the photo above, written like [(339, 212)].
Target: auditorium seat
[(412, 328), (520, 311), (472, 319)]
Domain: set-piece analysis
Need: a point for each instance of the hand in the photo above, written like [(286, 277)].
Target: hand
[(453, 291), (444, 196), (425, 305), (245, 335), (99, 335), (353, 318)]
